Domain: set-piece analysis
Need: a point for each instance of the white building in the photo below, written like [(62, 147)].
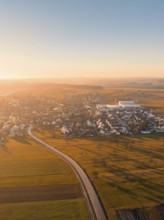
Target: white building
[(128, 104), (121, 104), (64, 130)]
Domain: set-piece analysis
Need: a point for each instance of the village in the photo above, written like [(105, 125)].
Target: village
[(77, 115)]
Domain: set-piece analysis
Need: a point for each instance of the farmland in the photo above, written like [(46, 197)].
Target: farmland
[(37, 184), (126, 171)]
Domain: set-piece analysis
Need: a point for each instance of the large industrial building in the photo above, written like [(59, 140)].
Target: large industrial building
[(128, 104), (121, 104)]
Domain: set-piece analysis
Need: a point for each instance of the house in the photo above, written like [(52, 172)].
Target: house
[(64, 130)]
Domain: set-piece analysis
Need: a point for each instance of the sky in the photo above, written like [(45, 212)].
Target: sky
[(81, 38)]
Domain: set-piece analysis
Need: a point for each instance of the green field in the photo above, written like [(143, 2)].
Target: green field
[(35, 184), (59, 210), (126, 171)]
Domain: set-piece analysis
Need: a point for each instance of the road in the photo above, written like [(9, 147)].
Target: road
[(94, 205)]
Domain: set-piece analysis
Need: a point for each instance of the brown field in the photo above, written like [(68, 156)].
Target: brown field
[(148, 213), (39, 193)]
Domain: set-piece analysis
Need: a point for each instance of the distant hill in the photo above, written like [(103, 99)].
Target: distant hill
[(7, 86)]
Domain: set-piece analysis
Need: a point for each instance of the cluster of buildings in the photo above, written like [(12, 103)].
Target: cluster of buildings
[(77, 115)]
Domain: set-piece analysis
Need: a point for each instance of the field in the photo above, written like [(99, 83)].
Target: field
[(36, 184), (126, 171)]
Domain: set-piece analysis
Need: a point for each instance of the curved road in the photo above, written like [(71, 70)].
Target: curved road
[(95, 207)]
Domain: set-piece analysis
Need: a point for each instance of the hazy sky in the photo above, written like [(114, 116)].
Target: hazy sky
[(81, 38)]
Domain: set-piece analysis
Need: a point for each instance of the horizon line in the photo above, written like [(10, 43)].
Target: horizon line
[(67, 78)]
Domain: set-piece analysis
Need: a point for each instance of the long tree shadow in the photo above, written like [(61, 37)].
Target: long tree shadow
[(145, 184), (146, 152), (4, 148), (120, 188), (153, 199), (22, 139)]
